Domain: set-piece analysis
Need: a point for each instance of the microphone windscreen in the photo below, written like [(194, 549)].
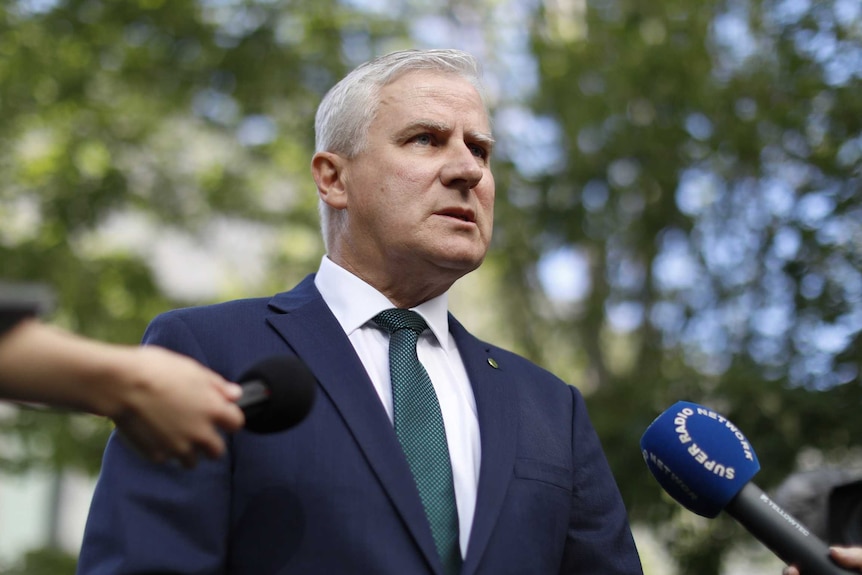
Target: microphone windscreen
[(698, 457), (291, 385)]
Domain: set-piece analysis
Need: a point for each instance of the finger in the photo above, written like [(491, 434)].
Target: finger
[(232, 391), (231, 418), (189, 461), (186, 454), (211, 444), (156, 456), (139, 443), (847, 556)]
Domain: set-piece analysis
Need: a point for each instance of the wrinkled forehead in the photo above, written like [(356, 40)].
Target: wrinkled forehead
[(428, 75), (420, 92)]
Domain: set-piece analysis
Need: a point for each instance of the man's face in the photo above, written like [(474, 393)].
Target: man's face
[(420, 196)]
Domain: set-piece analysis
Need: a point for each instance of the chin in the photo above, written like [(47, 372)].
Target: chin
[(457, 257), (463, 265)]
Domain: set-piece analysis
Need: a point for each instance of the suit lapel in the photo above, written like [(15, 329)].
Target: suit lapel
[(496, 403), (309, 327)]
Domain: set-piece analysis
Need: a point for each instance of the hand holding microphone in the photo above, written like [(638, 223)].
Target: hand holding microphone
[(845, 556), (705, 462), (277, 393), (177, 413)]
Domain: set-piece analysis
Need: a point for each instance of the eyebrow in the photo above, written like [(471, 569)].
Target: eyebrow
[(482, 138), (435, 126)]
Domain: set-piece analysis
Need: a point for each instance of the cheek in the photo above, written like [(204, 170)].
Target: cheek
[(486, 198), (412, 181), (486, 201)]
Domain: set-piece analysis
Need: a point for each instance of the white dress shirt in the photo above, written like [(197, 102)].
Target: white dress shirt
[(354, 303)]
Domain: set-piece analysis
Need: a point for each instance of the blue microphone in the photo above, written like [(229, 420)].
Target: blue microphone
[(706, 464)]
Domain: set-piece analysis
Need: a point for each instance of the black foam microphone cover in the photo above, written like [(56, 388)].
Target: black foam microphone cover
[(281, 392)]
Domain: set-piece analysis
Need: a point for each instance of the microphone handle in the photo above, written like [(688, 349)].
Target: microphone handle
[(253, 393), (782, 533)]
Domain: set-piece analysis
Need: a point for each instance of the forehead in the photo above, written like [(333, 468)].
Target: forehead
[(428, 92)]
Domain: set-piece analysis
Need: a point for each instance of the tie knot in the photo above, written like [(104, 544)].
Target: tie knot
[(394, 319)]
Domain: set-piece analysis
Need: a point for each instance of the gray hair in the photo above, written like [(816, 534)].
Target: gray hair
[(347, 110)]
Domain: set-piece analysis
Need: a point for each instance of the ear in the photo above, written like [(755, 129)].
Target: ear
[(328, 172)]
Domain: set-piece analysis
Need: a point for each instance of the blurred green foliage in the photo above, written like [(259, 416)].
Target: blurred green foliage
[(710, 179), (44, 562)]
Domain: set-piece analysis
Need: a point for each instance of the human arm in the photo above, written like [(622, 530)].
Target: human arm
[(166, 404), (138, 507), (850, 557)]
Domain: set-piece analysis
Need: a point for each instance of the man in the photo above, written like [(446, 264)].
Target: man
[(508, 477), (166, 405)]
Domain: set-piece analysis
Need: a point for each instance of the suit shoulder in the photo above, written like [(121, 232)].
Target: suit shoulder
[(225, 309), (520, 363), (529, 374), (204, 321)]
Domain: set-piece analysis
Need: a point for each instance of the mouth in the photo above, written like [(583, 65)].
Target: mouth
[(459, 214)]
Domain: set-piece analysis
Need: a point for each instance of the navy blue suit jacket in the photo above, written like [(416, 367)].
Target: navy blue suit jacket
[(334, 495)]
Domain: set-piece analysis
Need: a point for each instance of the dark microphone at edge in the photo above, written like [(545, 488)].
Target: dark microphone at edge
[(277, 393), (777, 529)]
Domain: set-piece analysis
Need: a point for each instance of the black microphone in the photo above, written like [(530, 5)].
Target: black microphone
[(277, 393), (705, 462)]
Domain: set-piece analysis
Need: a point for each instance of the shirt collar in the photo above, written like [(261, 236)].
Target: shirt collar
[(354, 302)]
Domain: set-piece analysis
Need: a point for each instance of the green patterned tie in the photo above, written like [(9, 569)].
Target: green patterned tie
[(419, 427)]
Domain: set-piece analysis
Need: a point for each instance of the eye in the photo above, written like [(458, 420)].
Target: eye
[(478, 151), (423, 139)]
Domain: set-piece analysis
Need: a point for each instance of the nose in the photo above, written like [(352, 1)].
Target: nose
[(461, 168)]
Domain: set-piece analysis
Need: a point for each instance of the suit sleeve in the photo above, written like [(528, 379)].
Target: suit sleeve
[(151, 518), (599, 538)]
